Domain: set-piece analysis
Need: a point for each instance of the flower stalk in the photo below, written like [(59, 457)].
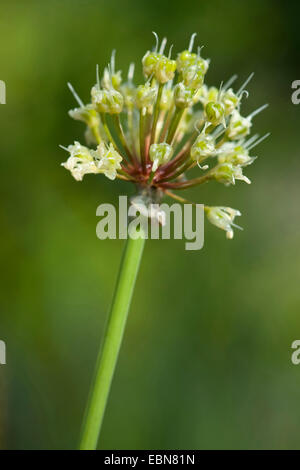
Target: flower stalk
[(112, 340)]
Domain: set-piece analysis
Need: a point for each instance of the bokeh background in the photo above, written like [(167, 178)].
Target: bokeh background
[(206, 360)]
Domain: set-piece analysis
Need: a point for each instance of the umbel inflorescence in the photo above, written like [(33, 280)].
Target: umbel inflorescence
[(154, 133)]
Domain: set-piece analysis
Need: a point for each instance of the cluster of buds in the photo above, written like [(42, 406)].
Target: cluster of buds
[(160, 130)]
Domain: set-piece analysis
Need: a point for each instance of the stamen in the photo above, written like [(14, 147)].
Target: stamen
[(131, 71), (244, 92), (251, 140), (204, 167), (109, 73), (157, 41), (259, 141), (191, 44), (218, 131), (163, 45), (113, 60), (230, 82), (75, 95), (170, 51), (245, 83), (220, 91), (236, 226), (97, 76), (199, 49), (257, 111), (64, 148)]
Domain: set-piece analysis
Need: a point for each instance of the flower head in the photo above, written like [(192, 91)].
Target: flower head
[(163, 128)]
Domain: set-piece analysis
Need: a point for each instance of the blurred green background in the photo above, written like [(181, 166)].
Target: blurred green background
[(206, 360)]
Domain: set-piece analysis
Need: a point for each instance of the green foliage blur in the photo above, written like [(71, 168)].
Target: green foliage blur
[(206, 360)]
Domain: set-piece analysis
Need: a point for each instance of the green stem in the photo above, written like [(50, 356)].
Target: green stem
[(174, 124), (107, 131), (111, 344), (122, 136), (156, 112), (142, 136)]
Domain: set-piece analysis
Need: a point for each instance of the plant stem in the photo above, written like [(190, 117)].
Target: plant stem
[(111, 344), (156, 113)]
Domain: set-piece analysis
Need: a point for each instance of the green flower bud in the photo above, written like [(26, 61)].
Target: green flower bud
[(165, 70), (235, 154), (203, 147), (185, 59), (86, 114), (107, 101), (193, 77), (230, 101), (145, 97), (238, 126), (160, 154), (227, 173), (149, 61), (183, 95), (215, 113), (188, 59)]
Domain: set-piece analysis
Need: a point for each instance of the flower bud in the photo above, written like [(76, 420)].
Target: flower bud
[(238, 126), (145, 97), (86, 114), (183, 95), (165, 70), (227, 173), (230, 101), (223, 218), (188, 59), (149, 61), (193, 77), (107, 101), (235, 154), (215, 113), (160, 154), (203, 147)]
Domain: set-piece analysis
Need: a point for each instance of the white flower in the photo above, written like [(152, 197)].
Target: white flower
[(80, 162), (235, 153), (227, 173), (107, 160), (238, 126), (230, 101), (203, 147), (223, 218), (107, 101)]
